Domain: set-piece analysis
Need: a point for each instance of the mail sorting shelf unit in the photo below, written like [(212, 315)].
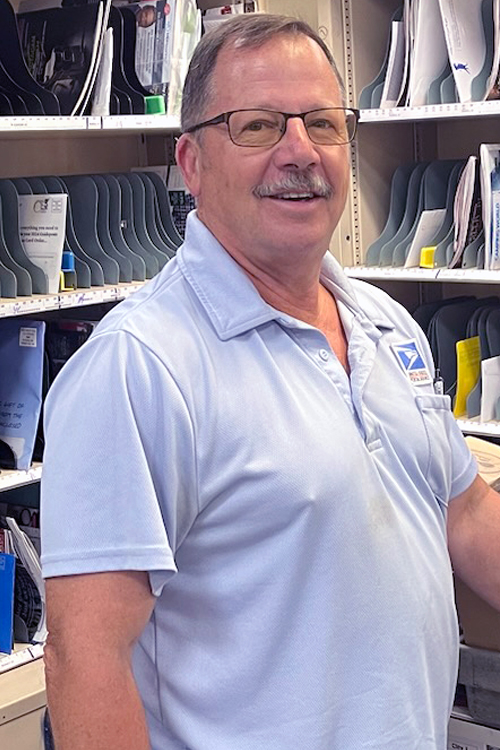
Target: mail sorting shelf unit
[(65, 146), (389, 138), (356, 32), (22, 687), (62, 147)]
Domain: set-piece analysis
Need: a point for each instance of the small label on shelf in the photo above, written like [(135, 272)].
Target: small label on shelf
[(115, 122), (28, 305), (431, 111), (126, 290), (140, 122), (42, 302), (11, 478), (475, 427), (94, 123), (80, 298), (468, 274), (33, 122), (111, 293), (454, 273), (20, 657), (384, 272)]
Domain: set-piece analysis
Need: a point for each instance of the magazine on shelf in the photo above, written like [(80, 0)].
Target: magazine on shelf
[(153, 42), (29, 601), (21, 386), (22, 596)]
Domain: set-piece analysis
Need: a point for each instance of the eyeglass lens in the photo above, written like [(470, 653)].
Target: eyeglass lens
[(328, 127)]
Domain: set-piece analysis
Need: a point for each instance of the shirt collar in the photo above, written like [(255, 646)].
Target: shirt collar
[(230, 299), (336, 281)]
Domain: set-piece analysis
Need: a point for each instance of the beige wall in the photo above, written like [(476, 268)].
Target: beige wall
[(306, 11), (303, 9)]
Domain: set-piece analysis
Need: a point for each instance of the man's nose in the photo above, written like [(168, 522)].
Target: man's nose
[(295, 146)]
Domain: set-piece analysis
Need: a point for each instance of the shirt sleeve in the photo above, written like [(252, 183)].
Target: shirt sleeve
[(118, 489)]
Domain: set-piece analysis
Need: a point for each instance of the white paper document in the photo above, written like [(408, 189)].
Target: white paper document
[(42, 223), (487, 455), (490, 196), (427, 228), (462, 207), (466, 42), (185, 36), (394, 77), (492, 85), (490, 378), (28, 555), (430, 55)]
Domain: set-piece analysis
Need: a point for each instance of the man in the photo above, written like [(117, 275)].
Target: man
[(246, 500)]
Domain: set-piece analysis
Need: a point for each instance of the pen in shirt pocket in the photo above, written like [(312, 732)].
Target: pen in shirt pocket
[(438, 383)]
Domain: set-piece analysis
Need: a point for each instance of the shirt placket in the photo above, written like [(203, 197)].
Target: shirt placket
[(362, 352), (317, 348)]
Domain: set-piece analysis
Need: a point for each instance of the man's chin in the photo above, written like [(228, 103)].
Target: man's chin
[(298, 243)]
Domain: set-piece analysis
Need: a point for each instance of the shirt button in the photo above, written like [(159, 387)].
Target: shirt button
[(323, 353)]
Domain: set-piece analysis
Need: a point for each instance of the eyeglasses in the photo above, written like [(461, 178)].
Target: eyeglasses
[(257, 128)]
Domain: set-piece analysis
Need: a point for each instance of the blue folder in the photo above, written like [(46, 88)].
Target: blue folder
[(7, 576)]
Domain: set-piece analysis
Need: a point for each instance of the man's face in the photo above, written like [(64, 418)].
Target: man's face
[(146, 16), (289, 74)]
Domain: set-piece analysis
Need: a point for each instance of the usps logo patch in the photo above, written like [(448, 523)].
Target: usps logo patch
[(412, 362)]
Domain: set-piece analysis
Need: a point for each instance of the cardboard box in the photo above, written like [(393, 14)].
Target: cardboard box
[(479, 621), (22, 707), (479, 673), (466, 735)]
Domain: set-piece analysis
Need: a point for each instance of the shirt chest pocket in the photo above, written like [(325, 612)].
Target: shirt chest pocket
[(435, 411)]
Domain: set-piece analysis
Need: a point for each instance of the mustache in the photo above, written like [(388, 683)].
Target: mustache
[(303, 182)]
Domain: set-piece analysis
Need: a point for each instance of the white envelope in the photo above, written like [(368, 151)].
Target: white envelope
[(490, 378), (428, 224), (464, 32), (430, 56)]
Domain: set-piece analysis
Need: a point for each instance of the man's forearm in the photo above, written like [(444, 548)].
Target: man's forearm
[(473, 527), (94, 704)]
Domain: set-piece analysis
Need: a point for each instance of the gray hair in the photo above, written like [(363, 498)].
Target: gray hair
[(248, 31)]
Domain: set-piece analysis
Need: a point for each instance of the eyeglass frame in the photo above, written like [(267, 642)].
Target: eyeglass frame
[(224, 119)]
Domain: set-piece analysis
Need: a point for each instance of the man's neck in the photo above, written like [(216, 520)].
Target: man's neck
[(299, 298), (296, 290), (315, 306)]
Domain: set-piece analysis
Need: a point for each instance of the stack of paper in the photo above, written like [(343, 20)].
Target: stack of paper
[(22, 590), (439, 51), (487, 455)]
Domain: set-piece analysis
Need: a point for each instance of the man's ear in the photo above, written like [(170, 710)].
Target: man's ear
[(188, 158)]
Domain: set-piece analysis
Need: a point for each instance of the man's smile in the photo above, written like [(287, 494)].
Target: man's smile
[(293, 196)]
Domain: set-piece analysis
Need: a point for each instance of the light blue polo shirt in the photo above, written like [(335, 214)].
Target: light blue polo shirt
[(292, 519)]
